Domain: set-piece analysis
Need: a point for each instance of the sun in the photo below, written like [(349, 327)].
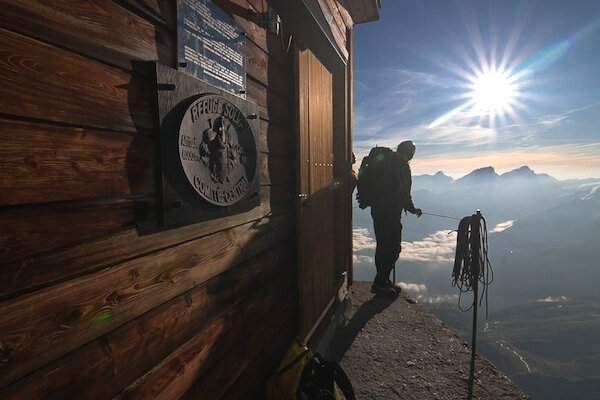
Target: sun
[(492, 93)]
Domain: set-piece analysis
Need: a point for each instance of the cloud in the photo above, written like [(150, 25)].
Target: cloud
[(502, 226), (448, 135), (438, 247), (362, 239), (550, 299), (413, 287), (448, 298), (457, 134), (362, 259), (394, 98), (552, 120)]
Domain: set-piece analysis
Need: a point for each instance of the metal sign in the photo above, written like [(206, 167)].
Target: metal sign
[(217, 150), (209, 150), (211, 45)]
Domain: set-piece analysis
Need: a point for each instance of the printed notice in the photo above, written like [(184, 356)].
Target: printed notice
[(211, 45)]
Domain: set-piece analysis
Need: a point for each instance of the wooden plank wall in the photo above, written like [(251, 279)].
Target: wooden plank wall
[(95, 300)]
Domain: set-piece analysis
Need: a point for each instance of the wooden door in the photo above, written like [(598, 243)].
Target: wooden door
[(315, 203)]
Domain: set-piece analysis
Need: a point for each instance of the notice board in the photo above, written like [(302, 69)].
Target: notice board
[(211, 46)]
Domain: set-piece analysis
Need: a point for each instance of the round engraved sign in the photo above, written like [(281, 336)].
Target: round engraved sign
[(217, 150)]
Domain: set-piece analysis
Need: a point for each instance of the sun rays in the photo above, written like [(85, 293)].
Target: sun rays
[(493, 87)]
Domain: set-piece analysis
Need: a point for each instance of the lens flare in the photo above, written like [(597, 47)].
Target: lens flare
[(544, 58), (494, 91), (336, 183), (105, 316)]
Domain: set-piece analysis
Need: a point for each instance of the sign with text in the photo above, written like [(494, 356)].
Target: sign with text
[(211, 45), (209, 150)]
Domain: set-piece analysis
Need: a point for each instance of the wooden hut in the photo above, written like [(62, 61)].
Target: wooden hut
[(121, 275)]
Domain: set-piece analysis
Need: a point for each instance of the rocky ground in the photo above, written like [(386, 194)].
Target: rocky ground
[(393, 349)]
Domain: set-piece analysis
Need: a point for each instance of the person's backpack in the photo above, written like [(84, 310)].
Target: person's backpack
[(376, 177), (304, 375)]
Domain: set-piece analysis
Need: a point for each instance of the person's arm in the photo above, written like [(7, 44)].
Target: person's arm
[(406, 196)]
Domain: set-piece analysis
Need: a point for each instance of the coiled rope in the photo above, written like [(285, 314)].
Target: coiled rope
[(471, 262)]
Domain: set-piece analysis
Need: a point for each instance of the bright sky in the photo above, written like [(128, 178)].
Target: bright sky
[(502, 83)]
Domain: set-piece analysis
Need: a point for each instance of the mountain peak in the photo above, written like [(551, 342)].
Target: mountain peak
[(433, 183), (522, 172), (484, 171), (440, 174), (480, 175)]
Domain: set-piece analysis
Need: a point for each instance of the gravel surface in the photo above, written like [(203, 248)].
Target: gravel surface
[(394, 349)]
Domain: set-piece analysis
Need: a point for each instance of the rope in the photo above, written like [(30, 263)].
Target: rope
[(435, 215), (471, 262), (443, 216)]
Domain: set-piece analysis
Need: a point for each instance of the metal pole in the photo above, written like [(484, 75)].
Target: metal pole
[(476, 246)]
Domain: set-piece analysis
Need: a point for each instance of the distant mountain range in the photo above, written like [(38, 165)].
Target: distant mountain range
[(439, 182), (551, 247)]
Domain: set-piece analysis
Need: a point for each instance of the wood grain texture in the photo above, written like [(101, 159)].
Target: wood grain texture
[(51, 243), (277, 170), (102, 368), (342, 170), (277, 139), (43, 163), (163, 11), (239, 353), (271, 74), (315, 216), (251, 381), (276, 108), (47, 83), (336, 25), (40, 327), (340, 16), (36, 230), (208, 364), (99, 29)]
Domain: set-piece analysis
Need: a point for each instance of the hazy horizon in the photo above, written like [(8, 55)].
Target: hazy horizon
[(535, 227)]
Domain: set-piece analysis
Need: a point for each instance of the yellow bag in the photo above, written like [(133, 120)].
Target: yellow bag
[(284, 384), (304, 375)]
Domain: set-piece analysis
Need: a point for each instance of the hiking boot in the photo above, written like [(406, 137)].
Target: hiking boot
[(394, 286), (383, 290)]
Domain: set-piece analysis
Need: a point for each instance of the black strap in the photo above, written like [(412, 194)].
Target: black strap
[(339, 376), (293, 362)]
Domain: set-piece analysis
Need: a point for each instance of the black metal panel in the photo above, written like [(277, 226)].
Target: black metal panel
[(211, 45), (209, 150)]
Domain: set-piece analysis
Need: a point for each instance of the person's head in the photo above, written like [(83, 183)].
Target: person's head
[(407, 149)]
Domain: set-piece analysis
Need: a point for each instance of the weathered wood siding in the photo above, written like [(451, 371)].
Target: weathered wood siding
[(95, 301)]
